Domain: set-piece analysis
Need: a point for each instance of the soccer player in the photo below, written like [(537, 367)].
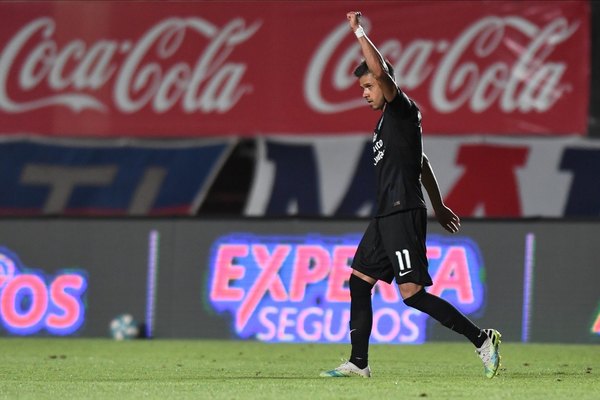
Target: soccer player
[(393, 245)]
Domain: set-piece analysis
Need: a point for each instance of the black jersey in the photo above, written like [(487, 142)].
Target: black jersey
[(398, 157)]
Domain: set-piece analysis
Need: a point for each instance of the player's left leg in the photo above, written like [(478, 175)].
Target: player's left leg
[(442, 311), (404, 236), (489, 352), (486, 341)]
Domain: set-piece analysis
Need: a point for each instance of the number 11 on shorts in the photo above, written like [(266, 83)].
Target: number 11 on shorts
[(404, 262)]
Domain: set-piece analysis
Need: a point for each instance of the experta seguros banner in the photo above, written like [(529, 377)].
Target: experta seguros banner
[(295, 288), (282, 281), (216, 68)]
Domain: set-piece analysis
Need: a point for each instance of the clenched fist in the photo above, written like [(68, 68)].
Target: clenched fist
[(354, 19)]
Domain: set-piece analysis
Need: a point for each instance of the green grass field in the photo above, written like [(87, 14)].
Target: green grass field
[(197, 369)]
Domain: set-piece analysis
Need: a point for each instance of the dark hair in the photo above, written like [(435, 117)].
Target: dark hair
[(363, 69)]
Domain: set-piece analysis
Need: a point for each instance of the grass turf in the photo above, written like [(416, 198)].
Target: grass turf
[(39, 368)]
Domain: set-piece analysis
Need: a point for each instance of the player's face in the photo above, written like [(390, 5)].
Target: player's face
[(372, 93)]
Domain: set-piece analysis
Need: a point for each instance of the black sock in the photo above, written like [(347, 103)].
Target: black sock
[(447, 315), (361, 320)]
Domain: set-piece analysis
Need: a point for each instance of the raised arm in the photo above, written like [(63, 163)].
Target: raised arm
[(373, 57), (445, 216)]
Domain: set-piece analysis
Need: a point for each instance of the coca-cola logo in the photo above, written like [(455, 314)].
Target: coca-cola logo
[(495, 60), (142, 73)]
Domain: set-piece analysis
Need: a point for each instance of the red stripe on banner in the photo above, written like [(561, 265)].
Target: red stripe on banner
[(190, 69)]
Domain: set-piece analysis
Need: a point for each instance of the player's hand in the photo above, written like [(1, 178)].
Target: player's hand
[(447, 219), (354, 19)]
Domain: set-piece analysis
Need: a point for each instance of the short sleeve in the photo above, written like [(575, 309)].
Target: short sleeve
[(404, 108)]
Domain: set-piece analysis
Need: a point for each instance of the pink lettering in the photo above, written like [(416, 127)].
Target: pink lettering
[(342, 323), (268, 280), (395, 324), (263, 317), (13, 292), (317, 328), (69, 305), (453, 274), (285, 322), (389, 293), (310, 266), (434, 252), (226, 271), (340, 274)]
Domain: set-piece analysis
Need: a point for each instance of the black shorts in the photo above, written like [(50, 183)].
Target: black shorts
[(394, 247)]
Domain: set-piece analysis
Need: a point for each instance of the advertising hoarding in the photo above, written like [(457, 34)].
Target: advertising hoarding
[(76, 68), (286, 280)]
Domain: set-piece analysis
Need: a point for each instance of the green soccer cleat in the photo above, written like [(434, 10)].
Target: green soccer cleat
[(488, 352), (347, 370)]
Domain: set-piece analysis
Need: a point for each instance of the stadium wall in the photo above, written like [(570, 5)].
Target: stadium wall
[(286, 280), (81, 136)]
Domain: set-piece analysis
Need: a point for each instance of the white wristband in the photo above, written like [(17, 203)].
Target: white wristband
[(359, 32)]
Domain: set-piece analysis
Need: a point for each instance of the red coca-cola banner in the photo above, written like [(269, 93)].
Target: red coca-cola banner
[(244, 68)]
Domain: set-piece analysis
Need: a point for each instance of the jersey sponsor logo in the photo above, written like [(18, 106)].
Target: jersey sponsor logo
[(378, 145), (378, 151)]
